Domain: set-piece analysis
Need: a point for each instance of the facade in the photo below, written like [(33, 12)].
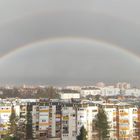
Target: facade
[(56, 119), (85, 115), (103, 91), (123, 85), (69, 122), (43, 119), (5, 112), (111, 112), (110, 91), (67, 96), (85, 91), (132, 92), (123, 121)]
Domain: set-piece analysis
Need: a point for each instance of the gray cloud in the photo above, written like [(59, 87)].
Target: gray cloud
[(76, 62), (95, 26), (25, 22)]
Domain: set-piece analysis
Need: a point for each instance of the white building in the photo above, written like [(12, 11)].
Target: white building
[(123, 85), (67, 96), (43, 119), (69, 123), (110, 91), (76, 88), (85, 91), (85, 115), (132, 92), (122, 120)]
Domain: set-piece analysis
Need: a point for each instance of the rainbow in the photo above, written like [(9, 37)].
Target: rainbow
[(126, 52), (62, 37)]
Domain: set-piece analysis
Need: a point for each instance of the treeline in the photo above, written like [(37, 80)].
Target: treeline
[(48, 92)]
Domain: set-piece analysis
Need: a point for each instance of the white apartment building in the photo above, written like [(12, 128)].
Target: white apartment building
[(128, 119), (85, 115), (69, 123), (85, 91), (132, 92), (77, 88), (67, 96), (5, 112), (123, 85), (122, 120), (35, 120), (110, 91), (103, 91), (55, 120), (43, 119), (111, 112)]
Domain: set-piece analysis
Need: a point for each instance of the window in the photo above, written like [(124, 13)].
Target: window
[(43, 120), (94, 110)]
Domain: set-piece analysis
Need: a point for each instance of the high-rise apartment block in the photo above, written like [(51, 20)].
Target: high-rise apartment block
[(62, 119)]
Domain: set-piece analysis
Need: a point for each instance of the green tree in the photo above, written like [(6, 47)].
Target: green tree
[(21, 133), (48, 92), (83, 134), (10, 138), (52, 92), (13, 123), (101, 124), (29, 134), (12, 131), (97, 97)]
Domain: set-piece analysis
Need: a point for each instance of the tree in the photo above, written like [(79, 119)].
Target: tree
[(12, 133), (29, 134), (48, 92), (13, 122), (97, 97), (10, 138), (51, 92), (21, 133), (101, 124), (83, 134)]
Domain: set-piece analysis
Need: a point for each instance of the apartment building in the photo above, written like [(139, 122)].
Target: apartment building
[(69, 120), (55, 120), (85, 91), (43, 120), (123, 85), (103, 91), (85, 115), (123, 121), (68, 94), (5, 112), (132, 92), (110, 91), (59, 119), (74, 116), (127, 117)]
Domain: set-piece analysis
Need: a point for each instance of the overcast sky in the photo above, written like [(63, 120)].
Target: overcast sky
[(69, 42)]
